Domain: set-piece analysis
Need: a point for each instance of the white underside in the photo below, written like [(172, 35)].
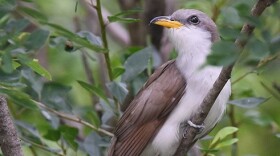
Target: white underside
[(195, 46)]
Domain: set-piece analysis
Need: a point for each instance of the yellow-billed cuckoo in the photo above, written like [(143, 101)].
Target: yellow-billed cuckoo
[(154, 122)]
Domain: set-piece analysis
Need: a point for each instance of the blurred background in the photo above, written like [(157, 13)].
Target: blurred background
[(52, 52)]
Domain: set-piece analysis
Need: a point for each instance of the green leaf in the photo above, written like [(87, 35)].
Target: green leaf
[(19, 98), (122, 19), (33, 13), (222, 134), (53, 119), (137, 63), (53, 135), (7, 6), (7, 65), (16, 26), (69, 134), (119, 17), (227, 143), (118, 90), (75, 38), (223, 53), (212, 150), (255, 21), (91, 144), (243, 9), (250, 102), (274, 46), (55, 95), (35, 66), (93, 117), (29, 128), (93, 39), (231, 17), (36, 39), (35, 81), (11, 80), (258, 49), (228, 33), (108, 113), (94, 90), (117, 72)]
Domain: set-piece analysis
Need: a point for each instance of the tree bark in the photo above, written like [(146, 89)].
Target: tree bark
[(9, 142), (219, 84)]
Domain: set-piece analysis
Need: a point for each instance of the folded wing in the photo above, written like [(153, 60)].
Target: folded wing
[(148, 111)]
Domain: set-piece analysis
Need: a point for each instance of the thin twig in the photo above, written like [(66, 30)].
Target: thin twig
[(75, 119), (243, 76), (276, 87), (219, 84), (270, 91)]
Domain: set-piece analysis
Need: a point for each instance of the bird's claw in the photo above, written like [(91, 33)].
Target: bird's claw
[(191, 124), (199, 127)]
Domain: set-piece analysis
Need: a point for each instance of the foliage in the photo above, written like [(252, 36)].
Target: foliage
[(219, 140), (64, 105)]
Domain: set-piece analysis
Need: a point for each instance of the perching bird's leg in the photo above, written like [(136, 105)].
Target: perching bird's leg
[(199, 127)]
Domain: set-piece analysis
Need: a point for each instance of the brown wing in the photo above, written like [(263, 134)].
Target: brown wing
[(148, 111)]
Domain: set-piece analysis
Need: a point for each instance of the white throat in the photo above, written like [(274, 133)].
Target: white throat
[(193, 45)]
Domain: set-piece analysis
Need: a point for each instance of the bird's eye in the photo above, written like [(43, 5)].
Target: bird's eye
[(194, 20)]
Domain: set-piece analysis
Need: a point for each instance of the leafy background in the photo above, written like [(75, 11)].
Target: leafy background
[(51, 54)]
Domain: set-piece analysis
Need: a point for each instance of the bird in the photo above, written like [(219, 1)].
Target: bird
[(154, 122)]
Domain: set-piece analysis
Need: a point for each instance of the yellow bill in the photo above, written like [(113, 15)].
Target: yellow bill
[(166, 22)]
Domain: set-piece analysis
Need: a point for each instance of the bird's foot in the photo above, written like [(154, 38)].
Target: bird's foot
[(191, 124), (199, 127)]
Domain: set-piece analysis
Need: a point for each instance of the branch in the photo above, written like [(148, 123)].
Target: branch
[(9, 142), (75, 119), (224, 76)]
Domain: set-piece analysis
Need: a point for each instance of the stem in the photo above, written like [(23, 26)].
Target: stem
[(243, 76), (104, 38), (270, 91), (233, 122)]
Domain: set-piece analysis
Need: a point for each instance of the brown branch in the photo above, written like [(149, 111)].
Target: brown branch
[(224, 76), (9, 141)]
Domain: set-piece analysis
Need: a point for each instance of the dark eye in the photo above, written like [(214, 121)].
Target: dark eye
[(194, 20)]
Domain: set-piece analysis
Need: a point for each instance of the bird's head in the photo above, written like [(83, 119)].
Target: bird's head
[(188, 27)]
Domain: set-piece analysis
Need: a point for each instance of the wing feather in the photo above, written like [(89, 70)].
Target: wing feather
[(148, 111)]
